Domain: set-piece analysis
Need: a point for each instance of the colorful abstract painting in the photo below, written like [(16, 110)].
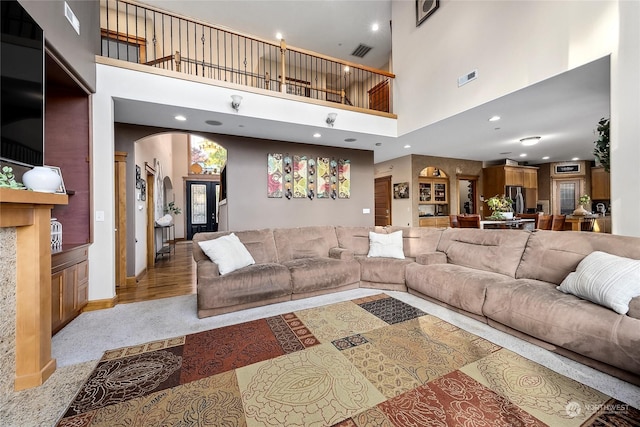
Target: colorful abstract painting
[(311, 174), (274, 175), (288, 176), (344, 179), (324, 178), (299, 177)]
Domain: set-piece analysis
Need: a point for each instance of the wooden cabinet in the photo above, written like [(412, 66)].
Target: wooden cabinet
[(433, 190), (600, 185), (496, 178), (69, 285), (435, 222), (513, 176), (530, 178)]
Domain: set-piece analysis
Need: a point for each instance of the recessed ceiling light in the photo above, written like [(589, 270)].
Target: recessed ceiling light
[(350, 140), (279, 36), (575, 158), (523, 155), (407, 146), (317, 135), (180, 118), (530, 140), (213, 123), (494, 118), (545, 158), (375, 27)]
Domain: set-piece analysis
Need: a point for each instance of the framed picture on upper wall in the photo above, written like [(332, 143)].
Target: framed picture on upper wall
[(424, 9)]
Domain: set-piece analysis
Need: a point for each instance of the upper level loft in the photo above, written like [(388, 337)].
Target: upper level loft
[(145, 35)]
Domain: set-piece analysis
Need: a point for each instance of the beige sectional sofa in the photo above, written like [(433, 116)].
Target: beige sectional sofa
[(506, 278)]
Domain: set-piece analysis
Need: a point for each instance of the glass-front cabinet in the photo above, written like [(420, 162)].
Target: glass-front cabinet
[(433, 201)]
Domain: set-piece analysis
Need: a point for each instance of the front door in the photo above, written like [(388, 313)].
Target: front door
[(202, 207)]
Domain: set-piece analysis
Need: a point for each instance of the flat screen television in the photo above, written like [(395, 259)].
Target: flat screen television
[(22, 72)]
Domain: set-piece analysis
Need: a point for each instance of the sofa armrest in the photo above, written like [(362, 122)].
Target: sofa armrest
[(341, 253), (634, 308), (206, 270), (432, 258)]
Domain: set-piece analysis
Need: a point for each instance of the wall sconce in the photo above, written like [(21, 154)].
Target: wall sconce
[(331, 118), (235, 102)]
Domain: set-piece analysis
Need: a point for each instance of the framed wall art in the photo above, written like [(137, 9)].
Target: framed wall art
[(401, 190), (424, 9)]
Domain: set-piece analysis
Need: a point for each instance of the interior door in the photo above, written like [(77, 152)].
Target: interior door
[(202, 204), (382, 200)]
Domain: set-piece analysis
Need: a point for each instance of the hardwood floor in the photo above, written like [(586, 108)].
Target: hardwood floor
[(173, 275)]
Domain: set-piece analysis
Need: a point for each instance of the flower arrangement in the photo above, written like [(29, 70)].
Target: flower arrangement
[(172, 209), (498, 205), (584, 200)]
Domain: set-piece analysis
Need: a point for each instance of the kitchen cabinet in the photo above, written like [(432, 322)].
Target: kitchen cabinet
[(69, 285), (600, 185), (530, 178), (496, 178), (435, 221), (513, 176)]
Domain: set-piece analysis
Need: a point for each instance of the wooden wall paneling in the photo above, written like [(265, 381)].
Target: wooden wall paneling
[(120, 185)]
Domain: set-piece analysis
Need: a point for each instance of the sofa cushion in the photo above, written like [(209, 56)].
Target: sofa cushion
[(383, 270), (290, 241), (227, 252), (605, 279), (385, 245), (539, 310), (417, 240), (356, 238), (313, 274), (560, 253), (246, 285), (497, 251), (458, 286)]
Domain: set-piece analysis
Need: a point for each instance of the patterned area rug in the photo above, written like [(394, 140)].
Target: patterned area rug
[(373, 361)]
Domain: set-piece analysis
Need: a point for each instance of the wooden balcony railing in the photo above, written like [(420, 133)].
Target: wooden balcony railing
[(146, 35)]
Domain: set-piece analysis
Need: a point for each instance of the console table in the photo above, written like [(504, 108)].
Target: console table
[(29, 212)]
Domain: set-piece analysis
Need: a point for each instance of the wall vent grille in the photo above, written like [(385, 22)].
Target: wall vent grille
[(361, 50)]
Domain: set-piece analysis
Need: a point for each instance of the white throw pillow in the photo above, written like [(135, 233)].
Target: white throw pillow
[(227, 252), (385, 245), (605, 279)]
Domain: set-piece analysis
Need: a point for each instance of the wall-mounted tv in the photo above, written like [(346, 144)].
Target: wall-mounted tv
[(22, 72)]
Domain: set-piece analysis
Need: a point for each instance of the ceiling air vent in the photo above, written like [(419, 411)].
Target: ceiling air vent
[(361, 50)]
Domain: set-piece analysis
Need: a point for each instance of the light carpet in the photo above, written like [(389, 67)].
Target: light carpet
[(373, 360)]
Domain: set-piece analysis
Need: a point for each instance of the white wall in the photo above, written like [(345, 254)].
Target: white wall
[(512, 44), (400, 171), (625, 126)]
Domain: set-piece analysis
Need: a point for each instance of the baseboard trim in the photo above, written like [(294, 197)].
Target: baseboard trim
[(141, 274), (101, 304), (131, 281)]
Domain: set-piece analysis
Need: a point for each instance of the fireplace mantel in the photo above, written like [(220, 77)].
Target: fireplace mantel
[(30, 213)]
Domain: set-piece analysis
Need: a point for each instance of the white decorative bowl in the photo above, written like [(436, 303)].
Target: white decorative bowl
[(41, 179)]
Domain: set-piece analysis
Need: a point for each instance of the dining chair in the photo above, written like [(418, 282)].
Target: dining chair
[(544, 222), (453, 221), (557, 223), (534, 216), (469, 221)]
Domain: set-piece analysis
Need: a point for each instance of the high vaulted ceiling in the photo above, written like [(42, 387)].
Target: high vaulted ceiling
[(563, 110)]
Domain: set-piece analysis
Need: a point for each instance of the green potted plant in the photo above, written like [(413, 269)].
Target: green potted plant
[(8, 179), (602, 144), (501, 207), (171, 208)]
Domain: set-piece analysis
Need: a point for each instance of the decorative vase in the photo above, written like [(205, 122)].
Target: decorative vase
[(42, 179), (581, 211), (507, 215)]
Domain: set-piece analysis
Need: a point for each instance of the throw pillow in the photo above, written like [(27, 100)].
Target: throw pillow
[(605, 279), (385, 245), (227, 252)]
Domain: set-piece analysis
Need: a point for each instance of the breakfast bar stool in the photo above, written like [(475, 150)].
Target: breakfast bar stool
[(544, 222), (557, 223), (469, 221)]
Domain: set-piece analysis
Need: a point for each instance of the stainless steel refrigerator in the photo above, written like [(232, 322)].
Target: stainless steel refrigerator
[(516, 193)]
